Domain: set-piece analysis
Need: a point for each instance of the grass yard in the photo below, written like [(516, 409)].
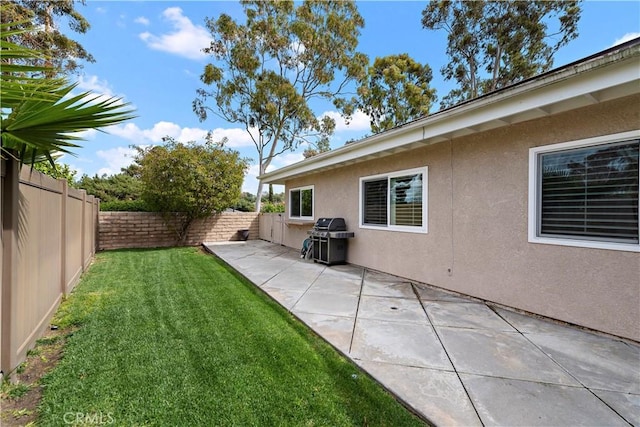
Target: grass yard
[(171, 337)]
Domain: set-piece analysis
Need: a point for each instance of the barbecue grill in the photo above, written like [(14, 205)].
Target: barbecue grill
[(329, 237)]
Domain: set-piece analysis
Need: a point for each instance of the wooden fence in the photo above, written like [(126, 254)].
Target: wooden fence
[(272, 227), (49, 237)]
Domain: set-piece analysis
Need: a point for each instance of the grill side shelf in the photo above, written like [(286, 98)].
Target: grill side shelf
[(341, 234)]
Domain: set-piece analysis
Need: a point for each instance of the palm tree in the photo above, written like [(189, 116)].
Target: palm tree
[(39, 115)]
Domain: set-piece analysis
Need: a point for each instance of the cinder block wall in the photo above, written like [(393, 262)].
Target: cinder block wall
[(118, 230)]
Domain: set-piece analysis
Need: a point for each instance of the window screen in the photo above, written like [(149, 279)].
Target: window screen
[(306, 202), (406, 200)]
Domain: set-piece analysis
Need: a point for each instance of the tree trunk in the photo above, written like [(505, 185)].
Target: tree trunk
[(48, 28), (259, 196), (472, 79), (496, 68)]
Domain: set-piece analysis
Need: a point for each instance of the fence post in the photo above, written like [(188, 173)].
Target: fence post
[(10, 218), (82, 234), (63, 236), (96, 228), (92, 224)]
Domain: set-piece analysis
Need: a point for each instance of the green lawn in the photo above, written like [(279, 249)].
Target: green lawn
[(172, 337)]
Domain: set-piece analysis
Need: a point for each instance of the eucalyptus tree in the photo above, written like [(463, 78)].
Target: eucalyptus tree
[(265, 72), (43, 19), (322, 146), (395, 91), (492, 44)]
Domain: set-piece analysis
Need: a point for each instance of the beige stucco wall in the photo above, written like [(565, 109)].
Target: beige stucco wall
[(477, 242)]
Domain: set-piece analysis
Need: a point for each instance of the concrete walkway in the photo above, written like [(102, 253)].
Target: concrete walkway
[(453, 359)]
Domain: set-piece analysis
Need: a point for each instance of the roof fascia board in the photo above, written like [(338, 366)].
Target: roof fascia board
[(581, 85), (370, 149)]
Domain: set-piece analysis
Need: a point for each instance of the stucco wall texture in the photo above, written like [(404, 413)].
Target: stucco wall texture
[(477, 241)]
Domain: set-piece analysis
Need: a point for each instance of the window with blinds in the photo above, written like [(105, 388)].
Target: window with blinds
[(590, 193), (301, 203), (374, 200), (396, 201)]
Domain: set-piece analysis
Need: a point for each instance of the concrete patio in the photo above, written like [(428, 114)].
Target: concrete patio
[(453, 359)]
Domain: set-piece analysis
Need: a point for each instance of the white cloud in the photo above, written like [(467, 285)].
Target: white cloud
[(87, 135), (127, 131), (142, 21), (133, 133), (191, 134), (100, 89), (285, 159), (626, 38), (162, 129), (186, 39), (116, 159), (359, 121), (105, 171), (236, 137), (94, 84), (101, 10)]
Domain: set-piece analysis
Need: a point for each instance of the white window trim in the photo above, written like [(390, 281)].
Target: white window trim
[(533, 193), (401, 228), (313, 203)]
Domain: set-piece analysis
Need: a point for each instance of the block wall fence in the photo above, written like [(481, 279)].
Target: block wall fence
[(120, 230)]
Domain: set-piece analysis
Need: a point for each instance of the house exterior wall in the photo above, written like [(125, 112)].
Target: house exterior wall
[(477, 240)]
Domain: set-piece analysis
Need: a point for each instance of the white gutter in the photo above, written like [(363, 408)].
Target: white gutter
[(608, 76)]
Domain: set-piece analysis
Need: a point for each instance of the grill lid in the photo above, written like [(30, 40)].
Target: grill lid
[(330, 224)]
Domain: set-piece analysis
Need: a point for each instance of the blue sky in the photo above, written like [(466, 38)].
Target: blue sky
[(148, 52)]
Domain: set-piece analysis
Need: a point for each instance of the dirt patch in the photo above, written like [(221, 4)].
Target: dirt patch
[(20, 396)]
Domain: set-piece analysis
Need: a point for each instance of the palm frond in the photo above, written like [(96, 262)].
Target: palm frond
[(39, 115)]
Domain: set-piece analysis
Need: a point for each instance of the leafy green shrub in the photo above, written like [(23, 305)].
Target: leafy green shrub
[(124, 206), (272, 207), (196, 180), (246, 204)]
